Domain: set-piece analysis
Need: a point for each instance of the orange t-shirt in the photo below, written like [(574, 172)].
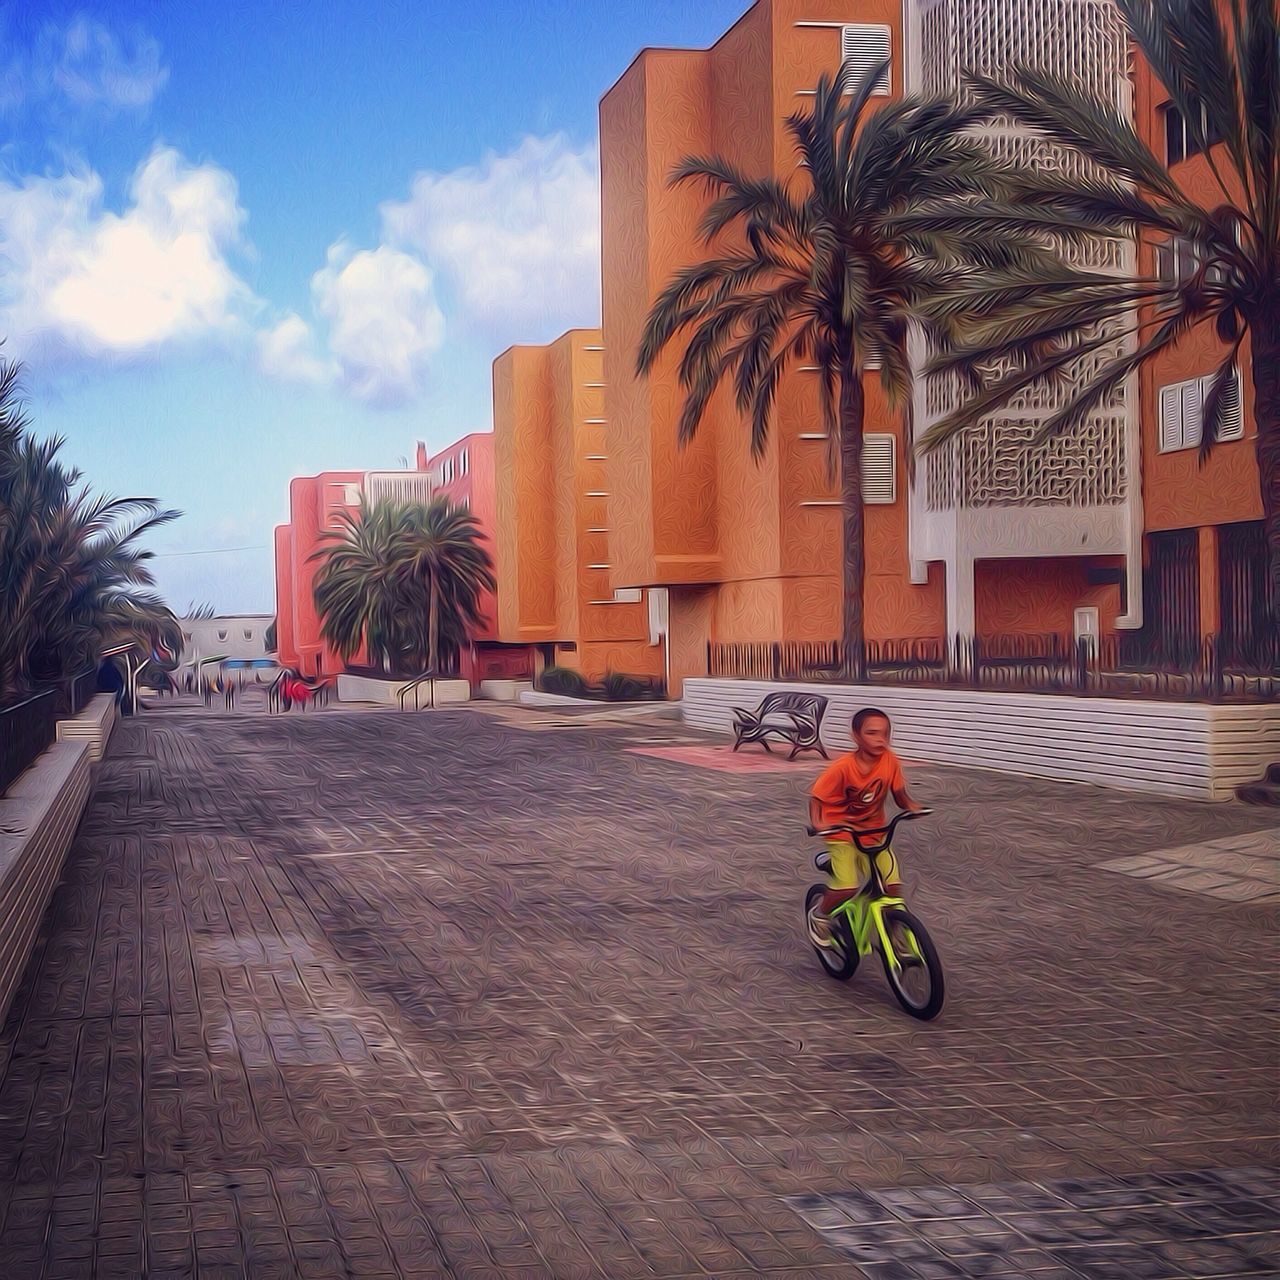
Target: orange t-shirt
[(847, 795)]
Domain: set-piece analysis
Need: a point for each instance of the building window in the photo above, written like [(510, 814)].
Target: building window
[(1182, 413), (351, 495), (1177, 260), (627, 595), (1181, 142), (865, 45), (463, 463), (248, 634), (466, 503), (879, 470), (222, 635)]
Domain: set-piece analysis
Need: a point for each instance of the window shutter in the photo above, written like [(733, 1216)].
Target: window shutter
[(1232, 426), (864, 45), (879, 470), (1170, 418), (1192, 413)]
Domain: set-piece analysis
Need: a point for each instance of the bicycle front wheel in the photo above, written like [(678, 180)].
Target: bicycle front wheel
[(916, 981), (840, 960)]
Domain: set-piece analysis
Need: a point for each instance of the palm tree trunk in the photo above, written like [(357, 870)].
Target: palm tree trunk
[(1265, 339), (853, 558)]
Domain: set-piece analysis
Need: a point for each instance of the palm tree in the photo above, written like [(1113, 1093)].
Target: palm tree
[(68, 559), (405, 580), (814, 273), (1219, 61)]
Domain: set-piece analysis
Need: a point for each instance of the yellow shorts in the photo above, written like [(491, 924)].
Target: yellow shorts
[(851, 868)]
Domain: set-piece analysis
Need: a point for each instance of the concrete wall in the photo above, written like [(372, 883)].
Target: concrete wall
[(93, 726), (1194, 750), (387, 692), (38, 818)]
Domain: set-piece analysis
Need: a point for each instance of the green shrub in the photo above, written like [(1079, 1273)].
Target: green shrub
[(620, 687), (563, 680)]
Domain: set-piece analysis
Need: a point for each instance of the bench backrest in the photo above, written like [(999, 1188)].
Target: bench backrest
[(813, 704)]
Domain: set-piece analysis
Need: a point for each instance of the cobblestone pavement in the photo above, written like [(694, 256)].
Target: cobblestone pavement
[(373, 995), (1239, 868)]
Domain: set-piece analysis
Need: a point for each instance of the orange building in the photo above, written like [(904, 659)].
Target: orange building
[(1114, 528), (748, 549), (553, 545), (1205, 554)]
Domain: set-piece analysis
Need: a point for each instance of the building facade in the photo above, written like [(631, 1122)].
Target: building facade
[(316, 507), (464, 474), (236, 642), (1030, 539), (553, 545), (1203, 551), (747, 549), (1111, 531)]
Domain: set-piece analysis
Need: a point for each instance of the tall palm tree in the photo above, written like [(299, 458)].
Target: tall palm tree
[(405, 580), (813, 272), (67, 558), (1219, 61)]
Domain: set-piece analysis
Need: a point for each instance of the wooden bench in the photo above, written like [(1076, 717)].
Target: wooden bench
[(794, 717)]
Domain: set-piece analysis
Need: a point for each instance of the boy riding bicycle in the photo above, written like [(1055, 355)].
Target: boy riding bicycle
[(851, 791)]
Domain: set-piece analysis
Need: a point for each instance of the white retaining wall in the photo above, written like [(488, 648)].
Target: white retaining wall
[(504, 690), (38, 818), (387, 692), (1189, 749), (93, 725)]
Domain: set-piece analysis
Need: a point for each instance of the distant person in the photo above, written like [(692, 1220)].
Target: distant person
[(230, 692)]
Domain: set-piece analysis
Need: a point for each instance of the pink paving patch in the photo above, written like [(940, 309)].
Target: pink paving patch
[(726, 760)]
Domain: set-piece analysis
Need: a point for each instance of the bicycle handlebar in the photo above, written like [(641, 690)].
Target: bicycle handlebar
[(887, 832)]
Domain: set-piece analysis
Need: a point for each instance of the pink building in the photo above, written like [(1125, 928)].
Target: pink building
[(463, 473), (315, 505)]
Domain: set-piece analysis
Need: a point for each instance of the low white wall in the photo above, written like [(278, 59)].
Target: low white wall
[(38, 818), (1189, 749), (93, 725), (387, 692), (536, 698), (504, 690)]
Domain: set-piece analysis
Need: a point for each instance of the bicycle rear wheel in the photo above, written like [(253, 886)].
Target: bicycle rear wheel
[(840, 960), (918, 983)]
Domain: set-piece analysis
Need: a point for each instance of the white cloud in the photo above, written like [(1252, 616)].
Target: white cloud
[(517, 237), (287, 351), (81, 279), (384, 321), (87, 63), (91, 65)]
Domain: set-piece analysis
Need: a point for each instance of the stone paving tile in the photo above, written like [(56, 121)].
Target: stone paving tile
[(1236, 868), (1158, 1226), (370, 994)]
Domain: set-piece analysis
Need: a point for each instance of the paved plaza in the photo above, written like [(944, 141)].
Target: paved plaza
[(491, 991)]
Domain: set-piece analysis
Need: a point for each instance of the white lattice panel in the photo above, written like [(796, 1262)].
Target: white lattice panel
[(991, 465)]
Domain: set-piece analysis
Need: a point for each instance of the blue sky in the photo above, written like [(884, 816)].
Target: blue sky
[(241, 241)]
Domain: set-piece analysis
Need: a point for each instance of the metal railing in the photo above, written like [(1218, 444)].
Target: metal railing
[(415, 687), (26, 729), (1114, 666), (75, 691)]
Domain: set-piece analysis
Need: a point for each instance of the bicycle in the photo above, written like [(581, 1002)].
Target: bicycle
[(867, 920)]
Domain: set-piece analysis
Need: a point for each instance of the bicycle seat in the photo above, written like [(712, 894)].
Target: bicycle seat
[(823, 862)]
